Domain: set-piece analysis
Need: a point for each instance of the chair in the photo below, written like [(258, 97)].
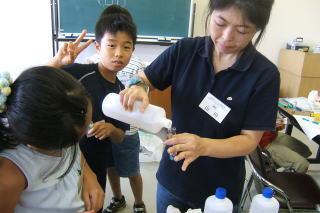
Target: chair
[(294, 191)]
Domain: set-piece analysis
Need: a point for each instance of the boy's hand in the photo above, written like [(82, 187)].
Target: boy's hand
[(68, 53), (101, 130)]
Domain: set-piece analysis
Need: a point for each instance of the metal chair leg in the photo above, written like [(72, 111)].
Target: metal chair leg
[(246, 192)]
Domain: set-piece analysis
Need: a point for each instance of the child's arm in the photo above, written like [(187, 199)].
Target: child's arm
[(92, 193), (102, 130), (12, 184), (68, 53)]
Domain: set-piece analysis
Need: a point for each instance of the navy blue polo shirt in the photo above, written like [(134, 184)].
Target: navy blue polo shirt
[(98, 88), (250, 88)]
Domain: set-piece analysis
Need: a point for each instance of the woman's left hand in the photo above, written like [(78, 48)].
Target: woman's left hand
[(185, 146)]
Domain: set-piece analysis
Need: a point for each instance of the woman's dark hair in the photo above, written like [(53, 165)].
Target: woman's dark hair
[(256, 11), (46, 109), (114, 19)]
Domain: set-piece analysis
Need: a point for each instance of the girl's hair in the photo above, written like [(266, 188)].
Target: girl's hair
[(256, 11), (114, 19), (46, 109)]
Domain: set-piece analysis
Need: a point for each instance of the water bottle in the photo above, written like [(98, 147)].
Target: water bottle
[(153, 119), (218, 203), (265, 202), (172, 209)]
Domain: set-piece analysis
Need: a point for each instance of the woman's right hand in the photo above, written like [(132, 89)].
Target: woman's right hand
[(68, 53), (90, 211), (135, 93)]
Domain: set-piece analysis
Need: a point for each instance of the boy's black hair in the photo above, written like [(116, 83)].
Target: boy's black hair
[(47, 109), (115, 19), (256, 11)]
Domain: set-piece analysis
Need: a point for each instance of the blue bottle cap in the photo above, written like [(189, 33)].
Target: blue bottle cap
[(221, 193), (267, 192)]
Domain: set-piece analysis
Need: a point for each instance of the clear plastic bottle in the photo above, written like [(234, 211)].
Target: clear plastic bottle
[(265, 202), (153, 119), (171, 133), (218, 203)]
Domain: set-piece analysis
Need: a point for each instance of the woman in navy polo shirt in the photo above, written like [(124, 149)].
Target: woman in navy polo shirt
[(224, 95)]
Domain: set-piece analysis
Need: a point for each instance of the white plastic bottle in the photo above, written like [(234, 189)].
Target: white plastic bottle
[(218, 203), (172, 209), (265, 202), (153, 119)]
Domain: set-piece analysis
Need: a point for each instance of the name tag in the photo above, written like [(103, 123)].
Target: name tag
[(214, 107)]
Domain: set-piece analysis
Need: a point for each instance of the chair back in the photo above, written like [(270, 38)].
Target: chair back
[(258, 162), (258, 165), (293, 190)]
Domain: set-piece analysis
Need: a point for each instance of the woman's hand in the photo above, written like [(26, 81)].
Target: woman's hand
[(135, 93), (101, 130), (68, 53), (90, 211), (188, 146)]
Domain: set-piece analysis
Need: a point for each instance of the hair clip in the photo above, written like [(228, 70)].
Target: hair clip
[(5, 90)]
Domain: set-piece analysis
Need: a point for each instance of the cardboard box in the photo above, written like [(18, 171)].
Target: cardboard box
[(296, 86), (300, 73), (300, 63)]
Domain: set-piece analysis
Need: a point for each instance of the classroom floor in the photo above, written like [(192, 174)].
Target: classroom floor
[(148, 171)]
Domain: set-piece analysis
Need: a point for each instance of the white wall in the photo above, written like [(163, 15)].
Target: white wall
[(25, 33), (289, 19)]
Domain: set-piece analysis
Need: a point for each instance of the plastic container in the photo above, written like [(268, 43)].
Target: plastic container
[(316, 49), (153, 119), (314, 100), (218, 203), (297, 44), (172, 209), (265, 202)]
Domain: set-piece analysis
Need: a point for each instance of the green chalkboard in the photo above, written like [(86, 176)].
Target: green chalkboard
[(168, 18)]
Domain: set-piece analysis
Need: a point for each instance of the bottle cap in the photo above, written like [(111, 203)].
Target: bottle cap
[(221, 193), (166, 123), (267, 192)]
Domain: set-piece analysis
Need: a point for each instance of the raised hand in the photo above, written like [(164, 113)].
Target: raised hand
[(68, 53)]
